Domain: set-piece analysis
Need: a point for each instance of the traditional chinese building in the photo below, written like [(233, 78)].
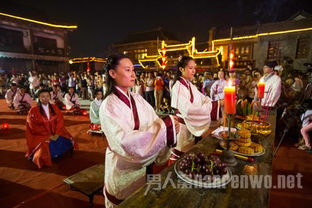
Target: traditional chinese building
[(89, 64), (288, 42), (168, 55), (27, 43)]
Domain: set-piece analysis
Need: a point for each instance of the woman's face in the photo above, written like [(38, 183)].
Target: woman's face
[(124, 74), (267, 69), (221, 74), (71, 90), (44, 98), (189, 71), (22, 90), (99, 95)]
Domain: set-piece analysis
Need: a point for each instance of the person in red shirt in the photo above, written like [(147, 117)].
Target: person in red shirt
[(158, 91)]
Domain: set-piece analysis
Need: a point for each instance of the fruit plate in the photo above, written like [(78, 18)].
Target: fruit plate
[(216, 183), (247, 155)]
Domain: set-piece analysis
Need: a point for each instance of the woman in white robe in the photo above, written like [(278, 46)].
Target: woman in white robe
[(194, 110), (10, 94), (216, 90), (57, 96), (94, 111), (22, 101), (71, 100), (136, 136)]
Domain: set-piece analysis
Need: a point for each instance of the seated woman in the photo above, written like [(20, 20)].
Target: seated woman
[(10, 94), (22, 101), (136, 136), (46, 135), (57, 97), (71, 100), (95, 125)]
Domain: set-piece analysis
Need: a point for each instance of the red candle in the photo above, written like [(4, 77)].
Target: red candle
[(229, 99), (261, 87)]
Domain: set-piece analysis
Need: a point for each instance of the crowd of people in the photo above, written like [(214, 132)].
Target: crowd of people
[(126, 106), (155, 87)]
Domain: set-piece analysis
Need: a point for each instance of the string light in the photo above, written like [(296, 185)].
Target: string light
[(40, 22), (263, 34), (189, 47), (86, 60)]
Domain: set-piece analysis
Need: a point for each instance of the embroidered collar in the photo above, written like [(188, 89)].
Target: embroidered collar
[(188, 86), (98, 102), (184, 82), (267, 77), (129, 101), (122, 96)]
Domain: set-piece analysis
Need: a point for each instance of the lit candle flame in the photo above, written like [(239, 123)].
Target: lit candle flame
[(230, 83)]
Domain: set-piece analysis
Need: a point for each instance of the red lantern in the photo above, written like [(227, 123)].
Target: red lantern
[(84, 112), (5, 126), (231, 62), (88, 67)]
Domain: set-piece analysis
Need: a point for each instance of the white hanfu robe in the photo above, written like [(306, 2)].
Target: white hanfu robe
[(136, 137), (18, 98), (94, 111), (56, 97), (195, 110), (33, 82), (216, 90), (71, 100), (272, 90), (9, 96)]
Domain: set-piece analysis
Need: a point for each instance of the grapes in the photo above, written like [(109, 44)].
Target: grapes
[(202, 167)]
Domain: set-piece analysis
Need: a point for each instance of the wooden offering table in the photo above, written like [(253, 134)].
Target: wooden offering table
[(239, 193)]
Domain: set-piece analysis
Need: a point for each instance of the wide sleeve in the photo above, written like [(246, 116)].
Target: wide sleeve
[(136, 146), (68, 103), (8, 97), (16, 100), (94, 116), (59, 122), (60, 126), (35, 130), (28, 99), (60, 97)]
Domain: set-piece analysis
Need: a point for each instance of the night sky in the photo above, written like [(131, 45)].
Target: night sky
[(101, 23)]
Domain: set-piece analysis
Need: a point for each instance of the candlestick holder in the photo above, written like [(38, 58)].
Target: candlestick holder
[(227, 156)]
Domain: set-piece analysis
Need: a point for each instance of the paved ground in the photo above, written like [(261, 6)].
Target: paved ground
[(22, 184)]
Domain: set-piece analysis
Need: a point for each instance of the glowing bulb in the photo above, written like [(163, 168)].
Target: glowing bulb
[(5, 125)]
